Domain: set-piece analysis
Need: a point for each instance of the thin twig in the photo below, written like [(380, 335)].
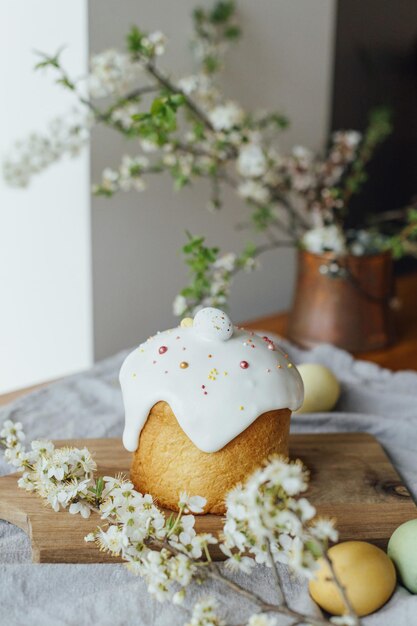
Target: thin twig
[(341, 588), (276, 574), (166, 82), (265, 607)]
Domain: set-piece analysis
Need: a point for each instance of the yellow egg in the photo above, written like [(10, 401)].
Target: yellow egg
[(365, 571), (321, 388)]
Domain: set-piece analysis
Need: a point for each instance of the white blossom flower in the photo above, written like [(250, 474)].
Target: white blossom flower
[(292, 476), (15, 455), (299, 168), (325, 238), (204, 614), (350, 138), (253, 190), (80, 507), (196, 83), (226, 116), (42, 447), (344, 620), (12, 432), (157, 41), (113, 539), (57, 470), (179, 305), (324, 529), (237, 562), (178, 597), (226, 262), (64, 136), (263, 521), (148, 146), (123, 115), (169, 159), (251, 161), (262, 619), (296, 556), (302, 154), (251, 264), (303, 508), (25, 482), (112, 73), (128, 177), (195, 504), (109, 179)]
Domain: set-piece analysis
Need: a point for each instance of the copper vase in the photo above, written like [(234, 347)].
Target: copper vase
[(343, 300)]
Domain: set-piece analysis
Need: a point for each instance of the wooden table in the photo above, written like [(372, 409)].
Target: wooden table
[(402, 355)]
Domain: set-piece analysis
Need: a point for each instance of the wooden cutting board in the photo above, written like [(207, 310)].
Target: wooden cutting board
[(352, 480)]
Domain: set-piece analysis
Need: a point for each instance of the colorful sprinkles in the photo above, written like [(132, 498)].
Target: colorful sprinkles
[(214, 373), (239, 393)]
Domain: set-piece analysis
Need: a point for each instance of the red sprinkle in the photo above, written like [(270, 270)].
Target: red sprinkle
[(162, 349), (244, 365)]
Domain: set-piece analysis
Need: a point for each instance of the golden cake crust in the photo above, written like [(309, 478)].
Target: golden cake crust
[(166, 461)]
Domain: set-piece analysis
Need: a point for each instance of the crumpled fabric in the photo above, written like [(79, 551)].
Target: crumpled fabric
[(89, 404)]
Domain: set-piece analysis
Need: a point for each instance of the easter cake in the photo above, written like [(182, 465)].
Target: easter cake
[(205, 403)]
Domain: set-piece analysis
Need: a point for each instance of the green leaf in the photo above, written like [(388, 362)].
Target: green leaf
[(211, 64), (65, 82), (99, 487), (134, 40), (222, 11), (314, 547), (232, 32), (49, 61), (199, 15), (177, 99), (157, 105)]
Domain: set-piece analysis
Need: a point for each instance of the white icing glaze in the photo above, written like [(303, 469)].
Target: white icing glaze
[(217, 379)]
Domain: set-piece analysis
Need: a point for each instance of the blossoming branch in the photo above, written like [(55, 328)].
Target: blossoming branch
[(186, 127), (267, 522)]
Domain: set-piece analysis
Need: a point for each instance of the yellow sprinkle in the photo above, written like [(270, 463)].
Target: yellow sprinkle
[(289, 365), (187, 322), (241, 407), (133, 375), (226, 373)]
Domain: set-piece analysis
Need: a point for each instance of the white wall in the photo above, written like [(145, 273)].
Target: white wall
[(45, 269), (284, 61)]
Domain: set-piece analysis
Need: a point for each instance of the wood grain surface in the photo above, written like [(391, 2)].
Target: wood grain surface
[(352, 480)]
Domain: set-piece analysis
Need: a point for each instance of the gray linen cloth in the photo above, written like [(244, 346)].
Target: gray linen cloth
[(89, 405)]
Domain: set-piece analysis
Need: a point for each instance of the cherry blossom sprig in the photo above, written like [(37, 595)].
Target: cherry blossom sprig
[(186, 127), (266, 522)]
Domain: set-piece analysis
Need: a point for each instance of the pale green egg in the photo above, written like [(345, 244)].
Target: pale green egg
[(402, 549), (321, 388)]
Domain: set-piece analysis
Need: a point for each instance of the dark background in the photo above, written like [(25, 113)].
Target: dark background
[(376, 64)]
